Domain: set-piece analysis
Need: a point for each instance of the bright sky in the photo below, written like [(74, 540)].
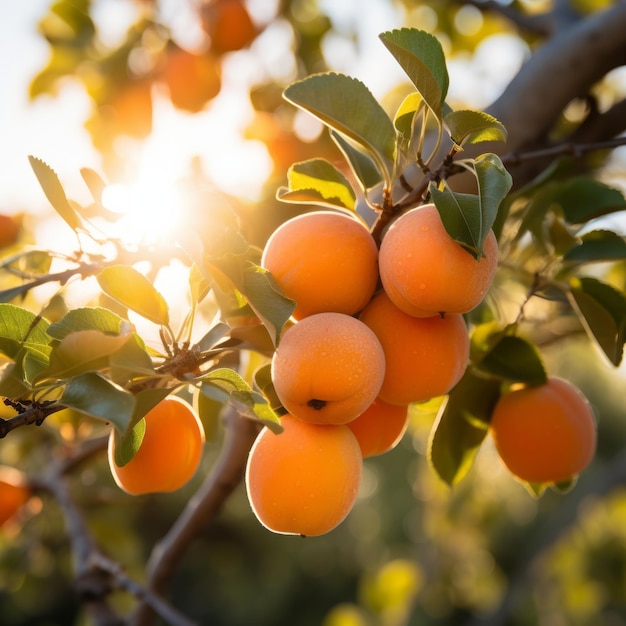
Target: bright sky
[(51, 127)]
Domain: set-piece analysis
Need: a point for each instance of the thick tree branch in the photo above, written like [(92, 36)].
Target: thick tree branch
[(564, 68), (201, 509)]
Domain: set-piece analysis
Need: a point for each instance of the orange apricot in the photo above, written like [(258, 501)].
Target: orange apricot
[(424, 356), (192, 79), (546, 433), (10, 227), (228, 24), (170, 451), (328, 368), (14, 492), (325, 261), (424, 271), (380, 428), (305, 479)]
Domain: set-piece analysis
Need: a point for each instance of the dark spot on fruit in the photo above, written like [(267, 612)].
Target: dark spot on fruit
[(318, 405)]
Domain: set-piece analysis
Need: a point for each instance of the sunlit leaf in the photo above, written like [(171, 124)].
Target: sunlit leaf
[(29, 262), (360, 163), (86, 318), (405, 118), (55, 193), (134, 291), (514, 359), (421, 57), (94, 395), (83, 351), (130, 362), (346, 105), (602, 312), (317, 181), (598, 245), (468, 127), (461, 426), (94, 182), (20, 327), (214, 335)]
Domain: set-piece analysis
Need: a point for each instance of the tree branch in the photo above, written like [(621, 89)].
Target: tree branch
[(564, 68), (201, 509)]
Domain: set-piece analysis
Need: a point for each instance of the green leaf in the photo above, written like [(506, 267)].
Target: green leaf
[(469, 127), (263, 380), (270, 305), (126, 447), (598, 245), (461, 426), (53, 190), (210, 411), (213, 336), (20, 327), (468, 218), (86, 318), (602, 312), (83, 351), (134, 291), (94, 395), (583, 199), (346, 105), (249, 403), (318, 181), (28, 263), (130, 362), (404, 121), (514, 359), (421, 57), (360, 163)]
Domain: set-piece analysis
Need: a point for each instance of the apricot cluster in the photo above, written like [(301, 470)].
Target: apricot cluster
[(357, 356)]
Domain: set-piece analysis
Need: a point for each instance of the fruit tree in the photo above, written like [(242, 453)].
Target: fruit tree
[(407, 349)]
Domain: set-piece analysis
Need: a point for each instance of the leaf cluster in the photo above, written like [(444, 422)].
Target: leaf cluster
[(93, 360), (382, 153)]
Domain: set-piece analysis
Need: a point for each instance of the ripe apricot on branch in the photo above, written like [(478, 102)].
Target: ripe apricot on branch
[(14, 492), (424, 271), (170, 451), (544, 434), (328, 368), (424, 356), (325, 261), (304, 480), (380, 428)]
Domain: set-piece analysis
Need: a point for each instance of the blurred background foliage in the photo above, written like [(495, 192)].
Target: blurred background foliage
[(412, 552)]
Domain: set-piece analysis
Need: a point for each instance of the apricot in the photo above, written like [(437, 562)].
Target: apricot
[(424, 271), (328, 368), (305, 479), (10, 227), (424, 356), (192, 79), (170, 451), (380, 428), (229, 25), (324, 261), (14, 492), (544, 434)]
